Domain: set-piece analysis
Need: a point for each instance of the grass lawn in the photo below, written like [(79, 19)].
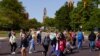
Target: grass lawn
[(86, 33), (5, 34)]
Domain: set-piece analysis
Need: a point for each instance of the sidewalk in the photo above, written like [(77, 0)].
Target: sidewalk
[(2, 38)]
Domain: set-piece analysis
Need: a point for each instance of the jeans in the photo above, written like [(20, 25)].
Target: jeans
[(74, 42), (39, 40), (31, 45), (57, 53), (79, 43), (13, 47), (52, 50), (92, 44), (46, 49)]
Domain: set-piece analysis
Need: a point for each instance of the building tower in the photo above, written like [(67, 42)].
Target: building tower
[(44, 14), (85, 3), (70, 3)]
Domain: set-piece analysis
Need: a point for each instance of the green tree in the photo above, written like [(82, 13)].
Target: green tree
[(87, 17), (49, 22), (62, 18), (33, 23), (13, 11)]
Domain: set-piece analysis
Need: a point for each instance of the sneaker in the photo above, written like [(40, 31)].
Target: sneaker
[(13, 53), (30, 52), (42, 52)]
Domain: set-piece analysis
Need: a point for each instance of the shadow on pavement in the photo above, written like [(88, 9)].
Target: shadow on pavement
[(5, 53)]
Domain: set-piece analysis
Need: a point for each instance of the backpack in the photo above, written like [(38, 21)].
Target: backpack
[(61, 45), (80, 36), (46, 41), (29, 37)]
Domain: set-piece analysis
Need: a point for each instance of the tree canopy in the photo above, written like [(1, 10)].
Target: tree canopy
[(14, 16)]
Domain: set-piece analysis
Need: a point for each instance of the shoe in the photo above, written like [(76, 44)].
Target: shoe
[(30, 52), (13, 53), (42, 52)]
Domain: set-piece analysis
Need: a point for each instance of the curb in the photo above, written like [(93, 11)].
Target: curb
[(2, 38)]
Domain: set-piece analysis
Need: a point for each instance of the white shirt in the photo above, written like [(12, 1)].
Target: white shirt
[(12, 39)]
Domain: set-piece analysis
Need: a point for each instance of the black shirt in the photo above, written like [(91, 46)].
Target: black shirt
[(24, 43)]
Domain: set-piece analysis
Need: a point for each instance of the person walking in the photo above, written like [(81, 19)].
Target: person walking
[(92, 38), (31, 40), (24, 44), (46, 43), (13, 43), (53, 43), (61, 44), (80, 39), (73, 35), (57, 51)]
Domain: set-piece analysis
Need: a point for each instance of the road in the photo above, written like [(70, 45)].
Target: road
[(5, 50)]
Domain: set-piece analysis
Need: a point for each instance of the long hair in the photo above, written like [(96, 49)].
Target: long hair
[(62, 36)]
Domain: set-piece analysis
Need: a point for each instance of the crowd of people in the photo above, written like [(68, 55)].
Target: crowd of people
[(60, 43)]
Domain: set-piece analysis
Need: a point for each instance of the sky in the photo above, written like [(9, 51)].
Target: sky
[(35, 7)]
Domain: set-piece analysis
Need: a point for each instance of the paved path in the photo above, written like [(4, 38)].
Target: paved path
[(5, 50)]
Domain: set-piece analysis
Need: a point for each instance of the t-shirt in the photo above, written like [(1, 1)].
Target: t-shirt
[(46, 41), (24, 43), (61, 45), (52, 36), (12, 39)]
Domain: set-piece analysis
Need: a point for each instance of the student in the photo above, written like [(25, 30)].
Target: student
[(73, 35), (92, 38), (13, 43), (61, 44), (53, 44), (80, 38), (31, 37), (57, 51), (24, 44), (46, 43)]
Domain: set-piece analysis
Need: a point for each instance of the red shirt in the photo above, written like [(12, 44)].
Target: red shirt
[(61, 45)]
